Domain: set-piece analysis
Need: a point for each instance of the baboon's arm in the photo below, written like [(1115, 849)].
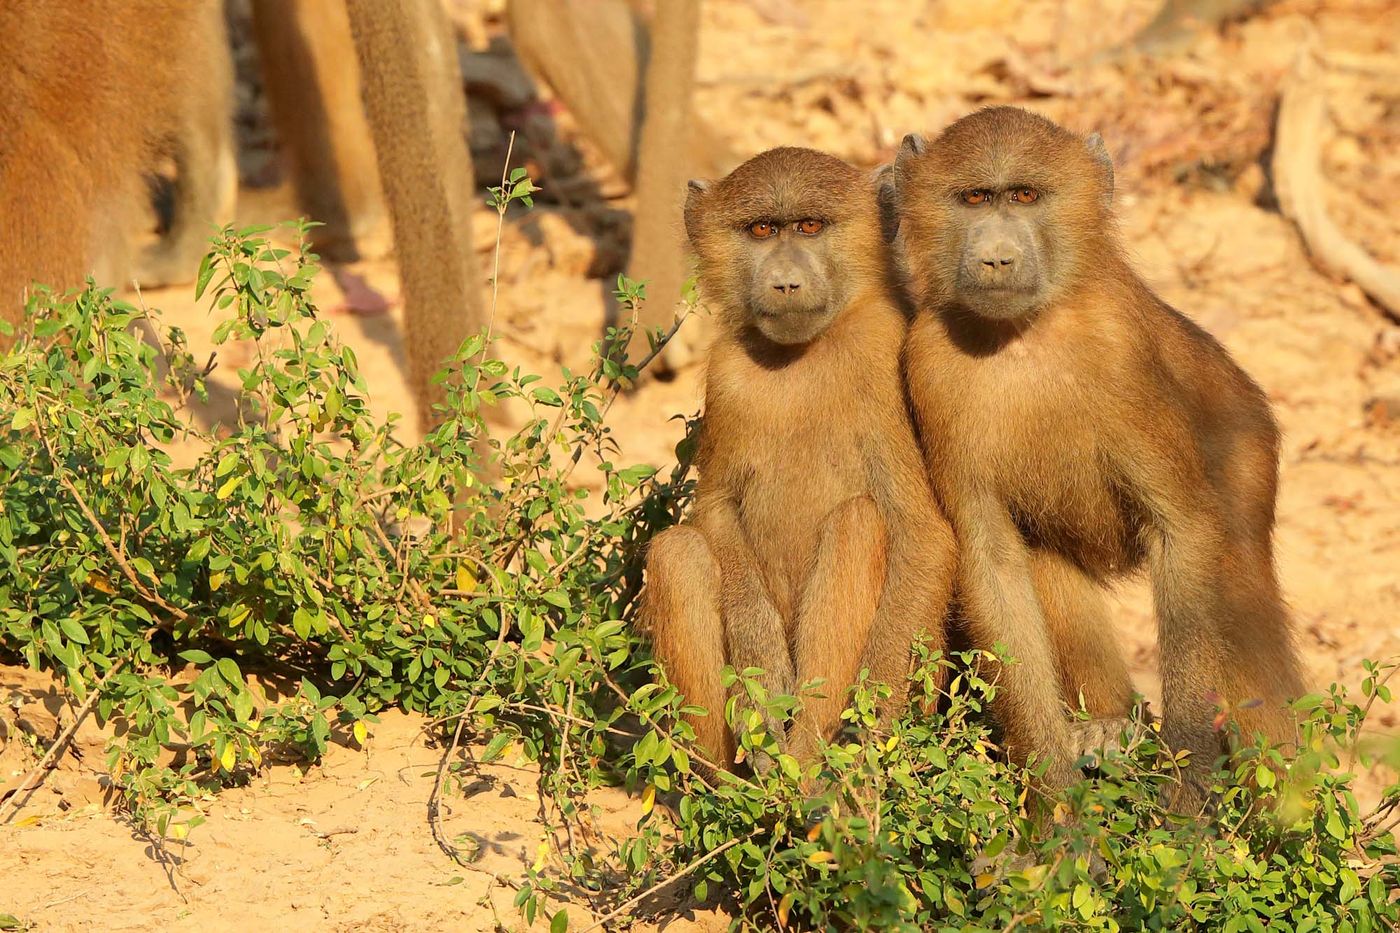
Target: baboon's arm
[(1000, 602)]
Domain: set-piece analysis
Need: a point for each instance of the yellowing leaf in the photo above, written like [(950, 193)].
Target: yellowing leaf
[(541, 855), (890, 745), (255, 755), (98, 582), (784, 906), (986, 879), (229, 757), (648, 799), (360, 732), (216, 579), (429, 620), (179, 831), (466, 580), (817, 858)]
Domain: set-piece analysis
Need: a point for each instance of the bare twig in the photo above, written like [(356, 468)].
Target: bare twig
[(35, 778), (628, 904)]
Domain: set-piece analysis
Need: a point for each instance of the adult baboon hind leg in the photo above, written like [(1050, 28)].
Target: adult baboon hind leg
[(413, 98), (682, 609), (312, 80)]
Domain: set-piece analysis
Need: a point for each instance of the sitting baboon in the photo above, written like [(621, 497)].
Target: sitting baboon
[(815, 548), (1071, 418)]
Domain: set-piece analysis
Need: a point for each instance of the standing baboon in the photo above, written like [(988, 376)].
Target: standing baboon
[(417, 114), (1069, 414), (92, 91), (815, 548), (312, 80)]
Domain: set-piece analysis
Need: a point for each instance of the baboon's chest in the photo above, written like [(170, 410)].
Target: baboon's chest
[(796, 472), (1040, 446)]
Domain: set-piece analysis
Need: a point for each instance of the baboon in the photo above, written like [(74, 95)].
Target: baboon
[(1073, 421), (92, 94), (413, 98), (815, 547)]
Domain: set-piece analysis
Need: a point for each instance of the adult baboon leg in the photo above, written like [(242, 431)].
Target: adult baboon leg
[(834, 618), (312, 81), (592, 55), (681, 609), (1087, 654), (413, 97), (201, 143), (658, 239)]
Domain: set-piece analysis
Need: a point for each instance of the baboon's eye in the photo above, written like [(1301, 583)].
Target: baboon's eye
[(809, 227), (762, 229), (976, 196), (1024, 195)]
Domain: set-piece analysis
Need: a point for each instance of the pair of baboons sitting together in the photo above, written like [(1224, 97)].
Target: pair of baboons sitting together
[(945, 385)]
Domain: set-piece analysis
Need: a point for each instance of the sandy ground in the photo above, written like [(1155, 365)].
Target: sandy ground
[(345, 845)]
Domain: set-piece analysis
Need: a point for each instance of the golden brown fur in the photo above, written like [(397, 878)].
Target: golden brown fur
[(815, 547), (312, 79), (1097, 432), (90, 92), (416, 110)]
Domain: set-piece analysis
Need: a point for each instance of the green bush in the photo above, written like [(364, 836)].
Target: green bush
[(292, 574)]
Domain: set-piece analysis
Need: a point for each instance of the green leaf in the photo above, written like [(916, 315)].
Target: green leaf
[(73, 630), (559, 922)]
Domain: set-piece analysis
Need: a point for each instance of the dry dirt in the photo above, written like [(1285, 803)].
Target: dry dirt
[(344, 844)]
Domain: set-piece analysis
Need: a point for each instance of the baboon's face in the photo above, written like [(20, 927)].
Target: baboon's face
[(784, 240), (994, 214), (790, 276), (999, 239)]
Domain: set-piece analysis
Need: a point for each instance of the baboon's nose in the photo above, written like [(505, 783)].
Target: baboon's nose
[(998, 261), (787, 288)]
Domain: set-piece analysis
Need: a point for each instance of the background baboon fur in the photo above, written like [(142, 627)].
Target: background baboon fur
[(416, 110), (629, 84), (815, 548), (1069, 414), (312, 80), (668, 131), (92, 92)]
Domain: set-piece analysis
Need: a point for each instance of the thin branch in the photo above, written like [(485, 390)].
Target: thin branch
[(35, 778), (670, 879)]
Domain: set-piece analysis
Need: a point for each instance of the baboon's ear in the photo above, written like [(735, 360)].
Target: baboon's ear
[(697, 190), (914, 144), (885, 191), (1099, 151)]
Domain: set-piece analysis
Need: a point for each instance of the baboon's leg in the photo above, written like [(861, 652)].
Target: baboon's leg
[(834, 618), (206, 170), (658, 240), (312, 81), (413, 98), (1259, 639), (1087, 655), (682, 611)]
